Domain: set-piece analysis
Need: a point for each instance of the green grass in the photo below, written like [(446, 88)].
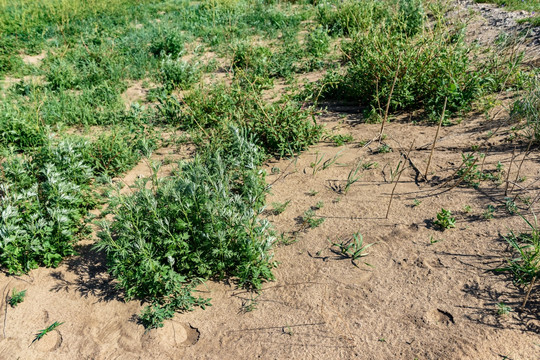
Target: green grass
[(528, 5)]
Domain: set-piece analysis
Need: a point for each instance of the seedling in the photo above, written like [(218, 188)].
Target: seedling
[(340, 140), (467, 209), (352, 178), (286, 240), (353, 249), (503, 309), (16, 297), (280, 207), (489, 213), (310, 220), (511, 206), (445, 219), (319, 205), (45, 331), (318, 165), (432, 240), (275, 170), (383, 149), (416, 203), (312, 192), (370, 165)]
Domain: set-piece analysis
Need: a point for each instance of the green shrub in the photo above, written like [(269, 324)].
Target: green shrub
[(42, 202), (176, 74), (168, 43), (527, 108), (282, 128), (200, 224)]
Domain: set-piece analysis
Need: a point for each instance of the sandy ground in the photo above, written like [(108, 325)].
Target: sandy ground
[(417, 299), (426, 294)]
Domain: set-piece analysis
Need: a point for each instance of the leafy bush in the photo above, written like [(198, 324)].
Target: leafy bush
[(427, 66), (42, 202), (197, 225), (178, 74), (281, 128), (169, 43), (119, 151), (527, 108)]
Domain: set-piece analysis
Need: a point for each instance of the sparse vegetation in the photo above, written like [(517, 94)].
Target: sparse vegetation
[(16, 297)]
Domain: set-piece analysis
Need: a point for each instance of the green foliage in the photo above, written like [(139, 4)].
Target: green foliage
[(353, 249), (42, 202), (527, 108), (310, 220), (45, 331), (176, 74), (473, 176), (340, 140), (16, 297), (200, 224), (503, 309), (281, 128), (525, 266), (167, 43), (428, 63), (280, 207), (445, 220)]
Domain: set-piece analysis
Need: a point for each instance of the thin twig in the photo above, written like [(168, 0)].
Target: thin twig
[(390, 98), (521, 163), (436, 136), (397, 180), (508, 174), (528, 292)]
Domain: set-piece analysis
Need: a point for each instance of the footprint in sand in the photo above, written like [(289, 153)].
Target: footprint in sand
[(49, 342), (172, 334)]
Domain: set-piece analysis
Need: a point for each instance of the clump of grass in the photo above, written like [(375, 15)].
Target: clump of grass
[(525, 266), (16, 297), (353, 249), (445, 220), (435, 61)]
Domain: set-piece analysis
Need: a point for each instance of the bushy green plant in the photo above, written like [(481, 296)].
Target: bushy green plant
[(168, 43), (419, 65), (42, 202), (281, 128), (178, 74), (200, 224)]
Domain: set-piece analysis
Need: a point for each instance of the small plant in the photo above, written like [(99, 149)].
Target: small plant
[(309, 219), (16, 297), (467, 209), (352, 178), (503, 309), (280, 207), (285, 239), (525, 266), (416, 203), (511, 206), (312, 193), (275, 170), (370, 165), (325, 165), (445, 219), (432, 240), (489, 213), (383, 149), (319, 205), (45, 331), (353, 249), (340, 140)]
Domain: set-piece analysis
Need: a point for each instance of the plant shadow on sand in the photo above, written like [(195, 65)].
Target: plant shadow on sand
[(92, 278)]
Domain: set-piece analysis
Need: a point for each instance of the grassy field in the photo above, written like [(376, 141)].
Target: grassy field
[(90, 89)]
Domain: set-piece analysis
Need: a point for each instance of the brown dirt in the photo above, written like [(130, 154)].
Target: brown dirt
[(416, 300)]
